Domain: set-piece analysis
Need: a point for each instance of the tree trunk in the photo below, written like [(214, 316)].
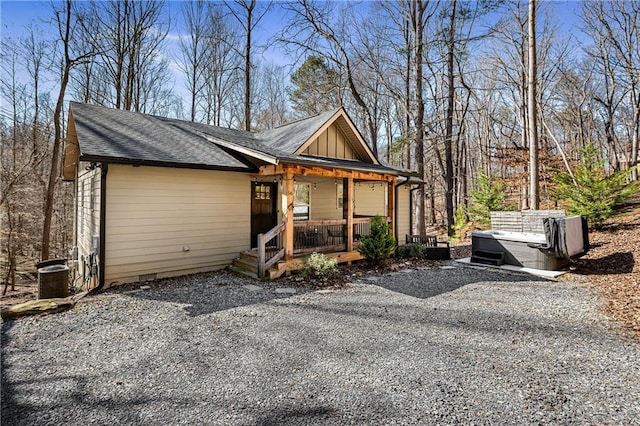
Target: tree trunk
[(57, 141), (419, 118), (534, 192), (635, 139), (449, 123), (247, 69)]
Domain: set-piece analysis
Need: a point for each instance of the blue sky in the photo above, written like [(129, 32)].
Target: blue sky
[(16, 15)]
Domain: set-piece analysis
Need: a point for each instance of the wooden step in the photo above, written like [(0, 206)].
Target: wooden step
[(249, 254), (277, 271), (246, 264)]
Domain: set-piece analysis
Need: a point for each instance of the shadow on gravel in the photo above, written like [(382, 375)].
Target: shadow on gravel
[(8, 393), (424, 283), (203, 299), (296, 416), (75, 390)]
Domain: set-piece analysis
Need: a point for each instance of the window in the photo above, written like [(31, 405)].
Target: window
[(339, 196), (301, 202), (262, 192)]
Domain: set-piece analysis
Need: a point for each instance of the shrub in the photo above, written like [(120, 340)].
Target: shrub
[(411, 251), (378, 246), (590, 191), (320, 265)]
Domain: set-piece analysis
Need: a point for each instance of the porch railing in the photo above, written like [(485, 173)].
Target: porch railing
[(309, 236), (327, 235), (270, 248), (319, 235)]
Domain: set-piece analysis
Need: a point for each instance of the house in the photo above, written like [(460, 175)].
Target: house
[(158, 197)]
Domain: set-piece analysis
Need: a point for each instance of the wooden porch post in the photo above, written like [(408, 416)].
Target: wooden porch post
[(349, 212), (391, 204), (288, 230)]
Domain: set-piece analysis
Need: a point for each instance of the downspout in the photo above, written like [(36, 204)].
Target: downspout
[(104, 169)]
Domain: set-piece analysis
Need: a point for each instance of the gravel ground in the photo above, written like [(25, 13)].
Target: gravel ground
[(446, 345)]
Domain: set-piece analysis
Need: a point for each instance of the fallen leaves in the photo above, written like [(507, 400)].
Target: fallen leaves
[(612, 267)]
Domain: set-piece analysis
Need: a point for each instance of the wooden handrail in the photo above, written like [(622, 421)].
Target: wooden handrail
[(303, 223), (270, 234), (263, 240)]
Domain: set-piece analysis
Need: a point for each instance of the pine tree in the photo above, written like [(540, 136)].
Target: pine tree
[(380, 244), (316, 87), (487, 197), (590, 191)]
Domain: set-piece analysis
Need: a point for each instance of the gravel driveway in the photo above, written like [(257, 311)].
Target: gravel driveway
[(443, 345)]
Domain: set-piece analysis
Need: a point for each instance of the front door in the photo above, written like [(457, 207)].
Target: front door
[(263, 209)]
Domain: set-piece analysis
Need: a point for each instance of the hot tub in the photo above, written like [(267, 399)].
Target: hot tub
[(515, 247)]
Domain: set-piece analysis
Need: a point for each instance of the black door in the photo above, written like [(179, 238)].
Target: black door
[(263, 209)]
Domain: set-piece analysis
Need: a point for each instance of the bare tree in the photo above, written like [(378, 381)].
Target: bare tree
[(310, 31), (67, 22), (249, 15), (193, 48), (271, 97), (131, 35), (616, 25)]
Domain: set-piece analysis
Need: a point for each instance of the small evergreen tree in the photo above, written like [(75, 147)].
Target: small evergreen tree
[(378, 246), (590, 191), (487, 197), (460, 225)]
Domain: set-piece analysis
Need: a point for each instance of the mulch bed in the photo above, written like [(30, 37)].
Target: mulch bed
[(348, 273), (612, 267)]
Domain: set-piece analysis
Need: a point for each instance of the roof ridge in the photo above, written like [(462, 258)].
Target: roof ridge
[(168, 120), (302, 119)]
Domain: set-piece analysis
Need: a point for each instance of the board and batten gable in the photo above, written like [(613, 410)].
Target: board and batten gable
[(331, 144), (164, 221), (87, 213)]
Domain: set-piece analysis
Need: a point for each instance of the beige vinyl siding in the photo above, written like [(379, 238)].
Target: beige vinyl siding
[(331, 144), (87, 213), (154, 213), (370, 198), (324, 200), (403, 213)]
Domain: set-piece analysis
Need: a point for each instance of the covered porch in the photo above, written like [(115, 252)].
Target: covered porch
[(317, 209)]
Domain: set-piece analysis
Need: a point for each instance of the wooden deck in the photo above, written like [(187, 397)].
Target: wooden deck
[(248, 263)]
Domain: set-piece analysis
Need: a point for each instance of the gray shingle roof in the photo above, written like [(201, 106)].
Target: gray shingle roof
[(290, 137), (105, 133)]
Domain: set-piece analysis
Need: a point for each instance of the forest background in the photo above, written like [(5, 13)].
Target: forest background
[(441, 88)]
